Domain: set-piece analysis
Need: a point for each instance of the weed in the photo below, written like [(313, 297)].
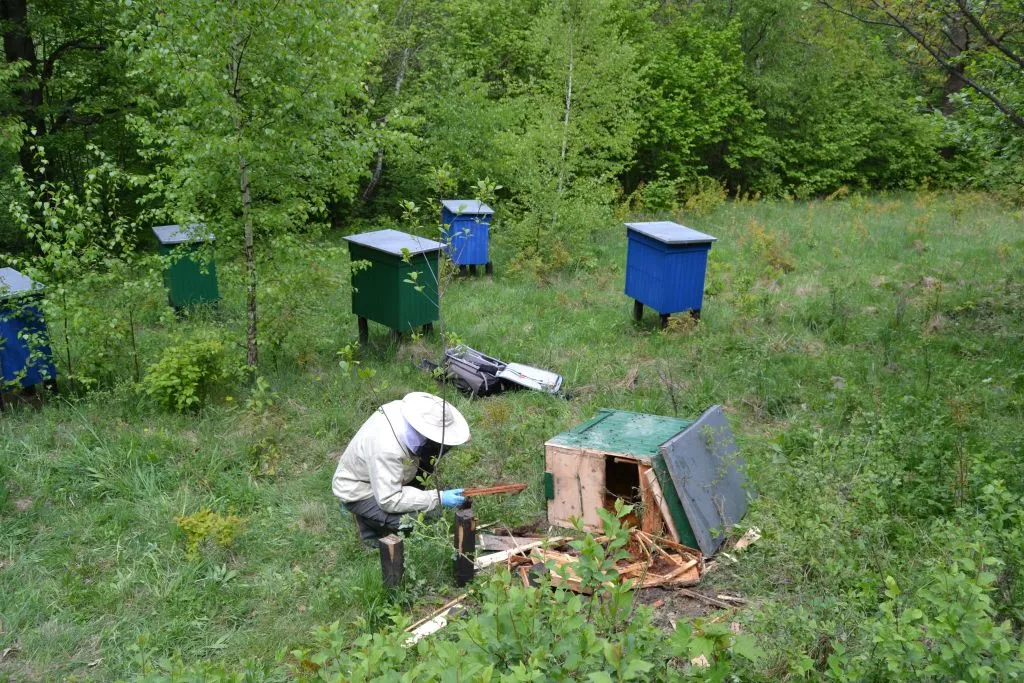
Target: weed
[(206, 524)]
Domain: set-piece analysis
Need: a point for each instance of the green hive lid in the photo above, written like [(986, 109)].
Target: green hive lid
[(13, 284), (620, 431), (170, 235), (671, 233), (394, 241), (471, 207)]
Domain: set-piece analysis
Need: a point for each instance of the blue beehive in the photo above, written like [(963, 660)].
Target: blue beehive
[(467, 230), (25, 355), (665, 267)]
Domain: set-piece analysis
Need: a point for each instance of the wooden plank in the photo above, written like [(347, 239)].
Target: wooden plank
[(443, 609), (465, 546), (499, 558), (392, 559), (655, 489), (579, 486), (651, 522), (492, 543), (493, 490), (432, 623), (562, 574)]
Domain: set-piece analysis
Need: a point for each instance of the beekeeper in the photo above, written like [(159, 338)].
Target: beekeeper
[(377, 474)]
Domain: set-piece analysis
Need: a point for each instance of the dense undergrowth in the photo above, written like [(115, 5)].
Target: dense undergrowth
[(867, 351)]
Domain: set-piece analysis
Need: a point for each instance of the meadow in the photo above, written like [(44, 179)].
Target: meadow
[(867, 350)]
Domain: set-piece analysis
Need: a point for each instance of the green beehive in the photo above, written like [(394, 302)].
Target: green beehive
[(613, 455), (189, 278), (399, 287)]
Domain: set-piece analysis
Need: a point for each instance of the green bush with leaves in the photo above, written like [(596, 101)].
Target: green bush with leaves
[(187, 373)]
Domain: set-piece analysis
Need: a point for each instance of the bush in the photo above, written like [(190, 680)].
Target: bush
[(206, 524), (186, 374)]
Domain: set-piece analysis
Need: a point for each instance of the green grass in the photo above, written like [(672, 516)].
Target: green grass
[(875, 387)]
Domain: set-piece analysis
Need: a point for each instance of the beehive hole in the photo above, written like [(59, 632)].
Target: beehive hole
[(622, 481)]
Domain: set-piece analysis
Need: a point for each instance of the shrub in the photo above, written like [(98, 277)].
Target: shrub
[(206, 524), (186, 373)]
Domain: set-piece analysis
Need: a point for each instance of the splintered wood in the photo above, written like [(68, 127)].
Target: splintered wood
[(653, 562), (493, 490)]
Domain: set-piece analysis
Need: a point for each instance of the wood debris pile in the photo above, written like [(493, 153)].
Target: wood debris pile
[(653, 562)]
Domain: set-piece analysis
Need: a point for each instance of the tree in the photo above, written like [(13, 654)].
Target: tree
[(978, 43), (69, 80), (257, 120), (574, 130)]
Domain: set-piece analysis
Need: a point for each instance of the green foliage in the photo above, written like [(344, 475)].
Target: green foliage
[(186, 374), (698, 115), (575, 130), (537, 632), (84, 252), (206, 524), (954, 636)]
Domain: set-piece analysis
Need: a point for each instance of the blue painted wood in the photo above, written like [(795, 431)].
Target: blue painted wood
[(20, 317), (467, 231), (668, 278)]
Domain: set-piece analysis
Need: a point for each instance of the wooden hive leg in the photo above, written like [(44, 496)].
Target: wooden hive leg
[(664, 320), (465, 545), (472, 269), (392, 559), (638, 311), (489, 268), (364, 331)]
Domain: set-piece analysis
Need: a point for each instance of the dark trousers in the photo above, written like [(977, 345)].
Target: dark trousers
[(374, 524)]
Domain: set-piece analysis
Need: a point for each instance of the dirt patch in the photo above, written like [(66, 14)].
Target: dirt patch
[(23, 504), (673, 606)]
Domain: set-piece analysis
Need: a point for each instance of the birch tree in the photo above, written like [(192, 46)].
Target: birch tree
[(257, 115), (578, 126)]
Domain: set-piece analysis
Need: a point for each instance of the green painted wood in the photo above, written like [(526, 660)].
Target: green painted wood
[(381, 293), (620, 431), (549, 486), (639, 436), (189, 278), (675, 505)]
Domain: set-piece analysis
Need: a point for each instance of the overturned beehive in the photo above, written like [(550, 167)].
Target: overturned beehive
[(684, 477)]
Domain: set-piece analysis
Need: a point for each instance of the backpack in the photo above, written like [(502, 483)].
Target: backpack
[(478, 374)]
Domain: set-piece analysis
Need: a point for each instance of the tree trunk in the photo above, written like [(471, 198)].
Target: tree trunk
[(565, 121), (252, 356), (958, 43), (19, 46), (378, 167)]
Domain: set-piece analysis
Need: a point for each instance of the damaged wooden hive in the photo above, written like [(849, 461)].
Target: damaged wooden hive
[(653, 562), (684, 477)]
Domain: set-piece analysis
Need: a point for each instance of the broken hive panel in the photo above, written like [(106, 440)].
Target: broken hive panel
[(650, 479), (651, 521), (578, 477)]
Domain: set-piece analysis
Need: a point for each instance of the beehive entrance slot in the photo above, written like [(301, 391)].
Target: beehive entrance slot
[(622, 480)]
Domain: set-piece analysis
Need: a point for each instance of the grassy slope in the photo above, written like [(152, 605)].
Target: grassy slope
[(890, 301)]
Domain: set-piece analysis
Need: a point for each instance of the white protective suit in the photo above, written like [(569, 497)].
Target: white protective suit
[(375, 464)]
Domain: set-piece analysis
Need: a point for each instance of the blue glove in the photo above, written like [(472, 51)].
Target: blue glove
[(452, 498)]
